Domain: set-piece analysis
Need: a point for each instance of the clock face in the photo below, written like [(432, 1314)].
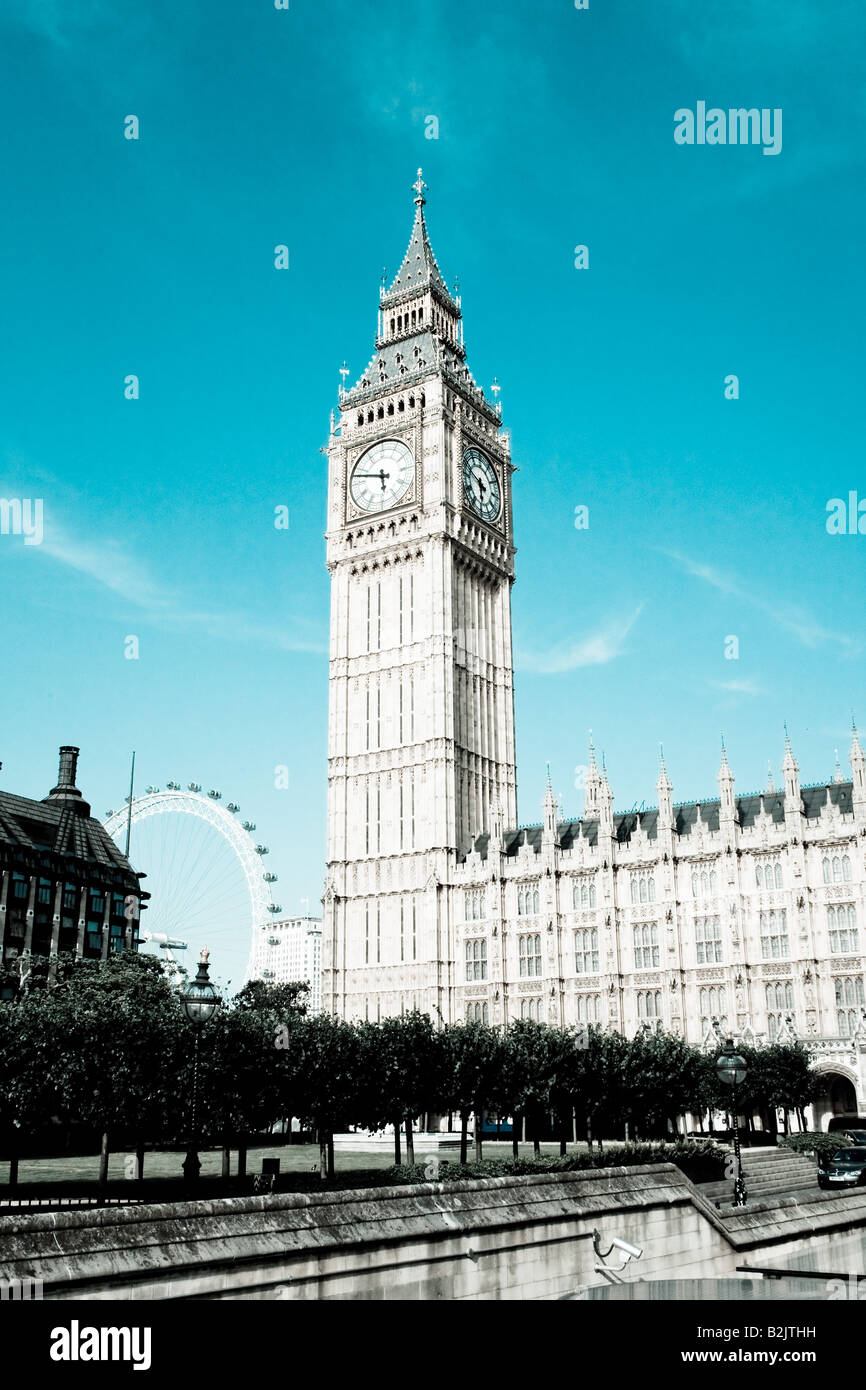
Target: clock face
[(382, 476), (481, 485)]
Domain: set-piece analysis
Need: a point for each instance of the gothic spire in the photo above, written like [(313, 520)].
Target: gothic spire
[(419, 270)]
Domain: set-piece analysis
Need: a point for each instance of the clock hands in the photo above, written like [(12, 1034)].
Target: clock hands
[(381, 475)]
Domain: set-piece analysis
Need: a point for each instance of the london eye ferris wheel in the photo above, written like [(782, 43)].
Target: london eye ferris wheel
[(205, 875)]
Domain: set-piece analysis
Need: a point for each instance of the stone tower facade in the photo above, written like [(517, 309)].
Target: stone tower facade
[(421, 752)]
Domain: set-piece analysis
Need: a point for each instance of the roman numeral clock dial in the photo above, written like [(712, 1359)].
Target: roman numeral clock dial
[(382, 476), (481, 484)]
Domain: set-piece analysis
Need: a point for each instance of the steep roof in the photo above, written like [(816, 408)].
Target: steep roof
[(32, 828), (419, 269), (815, 802)]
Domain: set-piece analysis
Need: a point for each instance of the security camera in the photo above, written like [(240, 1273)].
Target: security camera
[(634, 1252)]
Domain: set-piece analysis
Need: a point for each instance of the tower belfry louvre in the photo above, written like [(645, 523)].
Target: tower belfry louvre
[(743, 914)]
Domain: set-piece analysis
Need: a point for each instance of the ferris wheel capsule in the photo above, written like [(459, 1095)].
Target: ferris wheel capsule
[(269, 878), (232, 806), (262, 849), (215, 796), (173, 786), (194, 786), (151, 791), (248, 825)]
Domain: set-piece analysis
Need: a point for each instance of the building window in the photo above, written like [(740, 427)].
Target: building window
[(20, 888), (476, 960), (850, 1000), (528, 901), (704, 883), (414, 953), (474, 905), (531, 1008), (780, 1001), (774, 933), (646, 946), (713, 1003), (768, 873), (70, 897), (649, 1009), (589, 1008), (643, 888), (842, 922), (708, 940), (529, 954), (366, 933), (837, 869), (583, 894), (477, 1013), (586, 952)]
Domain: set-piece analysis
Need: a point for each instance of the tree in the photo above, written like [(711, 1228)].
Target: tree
[(322, 1085), (472, 1057)]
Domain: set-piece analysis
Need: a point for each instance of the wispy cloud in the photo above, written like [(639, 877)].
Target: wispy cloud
[(595, 649), (788, 616), (112, 566), (738, 687)]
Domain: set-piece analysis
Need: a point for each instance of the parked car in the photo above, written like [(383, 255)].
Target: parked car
[(844, 1168)]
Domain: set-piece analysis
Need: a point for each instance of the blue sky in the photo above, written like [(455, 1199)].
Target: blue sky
[(305, 127)]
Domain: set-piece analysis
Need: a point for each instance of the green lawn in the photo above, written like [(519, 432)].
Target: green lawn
[(294, 1158)]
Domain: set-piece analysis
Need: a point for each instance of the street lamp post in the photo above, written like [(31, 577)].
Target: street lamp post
[(201, 1002), (731, 1070)]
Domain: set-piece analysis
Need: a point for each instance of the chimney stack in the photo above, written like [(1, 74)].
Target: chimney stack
[(66, 788)]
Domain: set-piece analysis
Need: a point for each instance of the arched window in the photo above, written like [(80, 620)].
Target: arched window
[(759, 876), (592, 895), (476, 960), (837, 869), (777, 870), (651, 888), (825, 865), (535, 900), (634, 890), (846, 868), (694, 885), (705, 882), (713, 881)]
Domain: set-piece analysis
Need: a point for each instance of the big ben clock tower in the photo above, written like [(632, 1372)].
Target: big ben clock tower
[(421, 752)]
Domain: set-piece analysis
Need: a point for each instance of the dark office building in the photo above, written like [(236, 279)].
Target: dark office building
[(64, 884)]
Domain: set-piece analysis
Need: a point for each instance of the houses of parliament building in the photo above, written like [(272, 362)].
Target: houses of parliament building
[(743, 913)]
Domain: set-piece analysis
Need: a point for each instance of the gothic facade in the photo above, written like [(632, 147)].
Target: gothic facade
[(742, 914)]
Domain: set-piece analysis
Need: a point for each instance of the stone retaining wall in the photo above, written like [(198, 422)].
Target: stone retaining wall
[(512, 1237)]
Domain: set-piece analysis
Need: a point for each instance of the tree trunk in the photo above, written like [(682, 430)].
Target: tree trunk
[(323, 1155), (536, 1139), (13, 1159), (410, 1141), (464, 1141), (226, 1170), (515, 1135), (330, 1155), (397, 1158), (139, 1160), (242, 1158), (562, 1135), (479, 1138), (103, 1165), (589, 1131)]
